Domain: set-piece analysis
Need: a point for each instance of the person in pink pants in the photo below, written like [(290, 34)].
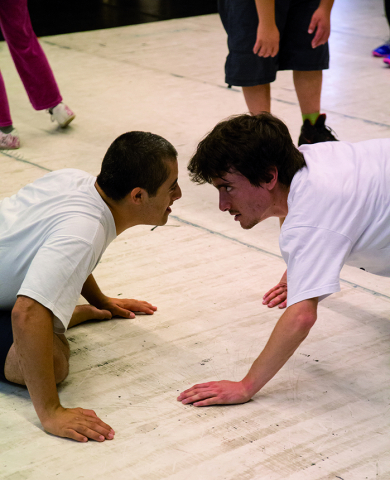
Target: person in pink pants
[(34, 71)]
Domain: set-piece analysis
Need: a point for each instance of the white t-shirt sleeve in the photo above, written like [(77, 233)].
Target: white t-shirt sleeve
[(314, 258), (57, 275)]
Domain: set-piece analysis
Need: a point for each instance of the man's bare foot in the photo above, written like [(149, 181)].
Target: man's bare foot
[(82, 313)]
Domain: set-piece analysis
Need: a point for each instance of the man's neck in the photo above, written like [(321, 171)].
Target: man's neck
[(280, 200), (121, 217)]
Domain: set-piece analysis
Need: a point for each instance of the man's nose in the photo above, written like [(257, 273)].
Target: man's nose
[(177, 193), (224, 203)]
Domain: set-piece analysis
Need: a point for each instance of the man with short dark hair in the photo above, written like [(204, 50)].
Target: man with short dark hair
[(335, 197), (53, 233)]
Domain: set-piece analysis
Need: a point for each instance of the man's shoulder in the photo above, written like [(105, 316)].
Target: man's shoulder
[(71, 173), (339, 149)]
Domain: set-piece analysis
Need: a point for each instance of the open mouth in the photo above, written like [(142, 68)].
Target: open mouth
[(169, 210), (236, 216)]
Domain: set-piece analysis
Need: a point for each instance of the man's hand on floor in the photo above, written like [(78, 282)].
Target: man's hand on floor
[(223, 392), (78, 424), (125, 307)]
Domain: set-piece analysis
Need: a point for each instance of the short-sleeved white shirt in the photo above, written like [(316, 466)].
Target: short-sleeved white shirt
[(338, 213), (53, 233)]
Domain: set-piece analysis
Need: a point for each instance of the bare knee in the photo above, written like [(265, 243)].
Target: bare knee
[(61, 353), (12, 370)]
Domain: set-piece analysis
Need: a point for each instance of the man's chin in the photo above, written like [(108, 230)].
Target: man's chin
[(163, 220), (247, 226)]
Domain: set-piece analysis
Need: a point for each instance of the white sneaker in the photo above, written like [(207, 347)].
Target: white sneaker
[(62, 114), (9, 141)]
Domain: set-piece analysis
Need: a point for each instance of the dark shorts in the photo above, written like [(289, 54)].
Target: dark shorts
[(244, 68), (6, 339)]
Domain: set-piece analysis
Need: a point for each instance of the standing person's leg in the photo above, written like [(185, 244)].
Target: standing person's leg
[(244, 68), (9, 138), (28, 56), (384, 50), (258, 98), (297, 54), (5, 114), (308, 86), (387, 11)]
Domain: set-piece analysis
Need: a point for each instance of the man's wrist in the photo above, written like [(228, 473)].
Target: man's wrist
[(268, 24), (249, 386), (100, 302), (46, 413), (326, 7)]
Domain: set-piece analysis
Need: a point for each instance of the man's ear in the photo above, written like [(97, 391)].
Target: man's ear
[(138, 196), (273, 172)]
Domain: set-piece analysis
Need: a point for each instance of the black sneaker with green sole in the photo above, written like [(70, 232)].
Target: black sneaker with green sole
[(316, 133)]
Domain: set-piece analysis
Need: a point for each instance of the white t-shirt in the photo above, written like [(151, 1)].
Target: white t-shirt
[(338, 213), (53, 233)]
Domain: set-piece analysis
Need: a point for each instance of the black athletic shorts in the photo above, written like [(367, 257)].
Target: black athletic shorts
[(244, 68), (6, 339)]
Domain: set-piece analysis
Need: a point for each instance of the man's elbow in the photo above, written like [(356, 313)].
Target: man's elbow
[(27, 314), (19, 318), (305, 321)]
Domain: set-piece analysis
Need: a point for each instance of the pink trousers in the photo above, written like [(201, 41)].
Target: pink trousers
[(29, 58)]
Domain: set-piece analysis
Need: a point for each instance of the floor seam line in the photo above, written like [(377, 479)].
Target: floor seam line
[(19, 159)]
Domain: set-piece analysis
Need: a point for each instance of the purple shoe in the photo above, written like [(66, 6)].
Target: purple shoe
[(382, 51), (387, 60), (9, 141)]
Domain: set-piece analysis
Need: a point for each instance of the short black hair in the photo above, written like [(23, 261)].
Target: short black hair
[(135, 159), (249, 145)]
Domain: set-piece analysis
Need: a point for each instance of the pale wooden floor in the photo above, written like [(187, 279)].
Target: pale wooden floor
[(326, 414)]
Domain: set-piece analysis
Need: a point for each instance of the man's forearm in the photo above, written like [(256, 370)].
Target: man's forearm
[(32, 326), (327, 5), (289, 332), (291, 329), (266, 11), (33, 338), (92, 293)]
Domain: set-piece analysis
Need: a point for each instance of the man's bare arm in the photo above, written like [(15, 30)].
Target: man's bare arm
[(32, 326), (267, 37), (122, 307), (92, 293), (320, 23), (291, 329)]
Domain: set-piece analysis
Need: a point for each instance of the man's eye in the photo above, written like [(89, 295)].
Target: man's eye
[(228, 189)]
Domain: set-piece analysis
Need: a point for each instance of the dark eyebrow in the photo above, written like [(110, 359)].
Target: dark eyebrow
[(226, 184), (173, 184)]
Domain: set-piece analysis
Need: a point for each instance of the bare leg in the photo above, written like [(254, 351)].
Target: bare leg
[(308, 86), (258, 98), (82, 313), (61, 352)]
